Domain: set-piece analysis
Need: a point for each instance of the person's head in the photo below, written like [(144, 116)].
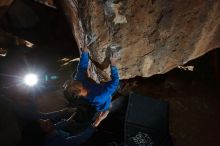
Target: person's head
[(77, 88)]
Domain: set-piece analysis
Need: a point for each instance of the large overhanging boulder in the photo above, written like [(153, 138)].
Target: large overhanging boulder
[(155, 35)]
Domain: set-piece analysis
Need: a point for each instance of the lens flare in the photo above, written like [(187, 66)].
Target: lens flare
[(30, 79)]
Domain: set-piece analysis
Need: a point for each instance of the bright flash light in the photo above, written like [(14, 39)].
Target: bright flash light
[(30, 79)]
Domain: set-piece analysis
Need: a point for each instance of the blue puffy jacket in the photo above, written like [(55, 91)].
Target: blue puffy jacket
[(99, 95)]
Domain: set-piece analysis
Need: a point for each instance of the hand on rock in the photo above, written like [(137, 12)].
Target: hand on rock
[(113, 58), (85, 49)]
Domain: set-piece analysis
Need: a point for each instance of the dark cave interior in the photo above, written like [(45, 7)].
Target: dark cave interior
[(193, 96)]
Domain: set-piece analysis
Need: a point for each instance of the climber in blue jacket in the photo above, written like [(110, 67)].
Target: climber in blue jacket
[(81, 120), (97, 95)]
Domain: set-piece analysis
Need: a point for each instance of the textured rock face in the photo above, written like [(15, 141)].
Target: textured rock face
[(155, 35)]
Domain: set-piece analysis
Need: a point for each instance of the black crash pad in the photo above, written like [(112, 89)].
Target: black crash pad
[(147, 122)]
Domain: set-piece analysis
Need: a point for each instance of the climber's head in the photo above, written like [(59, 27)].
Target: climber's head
[(77, 88)]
